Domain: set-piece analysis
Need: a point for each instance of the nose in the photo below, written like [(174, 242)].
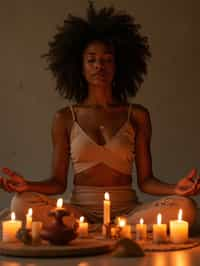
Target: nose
[(99, 64)]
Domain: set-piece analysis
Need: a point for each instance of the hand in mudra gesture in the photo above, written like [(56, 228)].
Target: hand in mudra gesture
[(14, 183), (188, 185)]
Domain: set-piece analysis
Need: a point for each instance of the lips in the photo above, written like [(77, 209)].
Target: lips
[(100, 74)]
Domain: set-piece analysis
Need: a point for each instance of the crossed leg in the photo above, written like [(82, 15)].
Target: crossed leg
[(168, 207)]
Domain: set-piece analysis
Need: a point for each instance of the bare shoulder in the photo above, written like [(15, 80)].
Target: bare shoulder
[(63, 118), (140, 115)]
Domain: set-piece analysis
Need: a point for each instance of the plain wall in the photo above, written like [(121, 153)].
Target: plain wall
[(171, 90)]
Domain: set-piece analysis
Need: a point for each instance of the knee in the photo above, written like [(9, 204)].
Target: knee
[(20, 204), (189, 207)]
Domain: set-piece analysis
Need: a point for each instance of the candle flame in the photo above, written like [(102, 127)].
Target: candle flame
[(122, 222), (30, 212), (82, 219), (13, 216), (59, 203), (180, 214), (141, 220), (159, 218), (106, 196)]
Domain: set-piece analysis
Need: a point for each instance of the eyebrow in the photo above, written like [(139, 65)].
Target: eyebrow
[(93, 53)]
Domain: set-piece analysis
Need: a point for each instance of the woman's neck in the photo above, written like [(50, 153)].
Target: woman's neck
[(99, 97)]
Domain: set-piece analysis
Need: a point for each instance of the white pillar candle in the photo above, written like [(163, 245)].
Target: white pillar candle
[(83, 227), (125, 229), (36, 229), (159, 231), (141, 230), (29, 218), (10, 228), (178, 229), (106, 208)]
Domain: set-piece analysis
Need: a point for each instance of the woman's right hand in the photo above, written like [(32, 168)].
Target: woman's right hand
[(15, 182)]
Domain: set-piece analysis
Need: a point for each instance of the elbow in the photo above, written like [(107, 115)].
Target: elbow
[(143, 186)]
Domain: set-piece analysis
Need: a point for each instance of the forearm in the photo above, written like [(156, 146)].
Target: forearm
[(156, 187), (48, 187)]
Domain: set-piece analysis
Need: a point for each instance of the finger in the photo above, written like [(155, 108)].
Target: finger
[(13, 188), (187, 191), (197, 188), (5, 185), (8, 171), (192, 173)]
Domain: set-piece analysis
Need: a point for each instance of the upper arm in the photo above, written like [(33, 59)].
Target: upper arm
[(143, 158), (60, 142)]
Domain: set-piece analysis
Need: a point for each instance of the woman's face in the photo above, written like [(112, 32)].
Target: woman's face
[(99, 64)]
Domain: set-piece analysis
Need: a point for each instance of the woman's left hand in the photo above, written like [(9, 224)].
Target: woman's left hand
[(188, 185)]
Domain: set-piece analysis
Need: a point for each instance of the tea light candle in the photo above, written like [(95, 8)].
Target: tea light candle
[(10, 228), (106, 208), (36, 229), (29, 218), (159, 231), (83, 228), (125, 228), (178, 229), (141, 230)]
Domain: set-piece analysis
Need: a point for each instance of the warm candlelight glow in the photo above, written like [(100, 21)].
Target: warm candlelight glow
[(159, 218), (141, 230), (159, 230), (106, 208), (180, 215), (179, 229), (83, 227), (29, 218), (59, 203), (122, 222), (141, 221), (13, 217), (30, 212), (106, 196), (10, 228), (82, 219)]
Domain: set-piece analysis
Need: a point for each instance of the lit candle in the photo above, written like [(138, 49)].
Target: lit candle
[(36, 229), (159, 231), (29, 218), (59, 204), (178, 229), (10, 228), (125, 231), (83, 228), (141, 230), (106, 208)]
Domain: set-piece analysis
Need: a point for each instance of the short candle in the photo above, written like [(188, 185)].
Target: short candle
[(83, 227), (141, 230), (159, 231), (125, 228), (10, 228), (178, 229), (36, 229)]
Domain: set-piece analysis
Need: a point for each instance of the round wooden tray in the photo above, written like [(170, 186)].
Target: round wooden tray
[(149, 246), (78, 247)]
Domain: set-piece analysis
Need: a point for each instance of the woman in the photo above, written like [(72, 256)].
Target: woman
[(99, 62)]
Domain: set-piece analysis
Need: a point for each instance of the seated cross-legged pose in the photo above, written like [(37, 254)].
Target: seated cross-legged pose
[(98, 63)]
